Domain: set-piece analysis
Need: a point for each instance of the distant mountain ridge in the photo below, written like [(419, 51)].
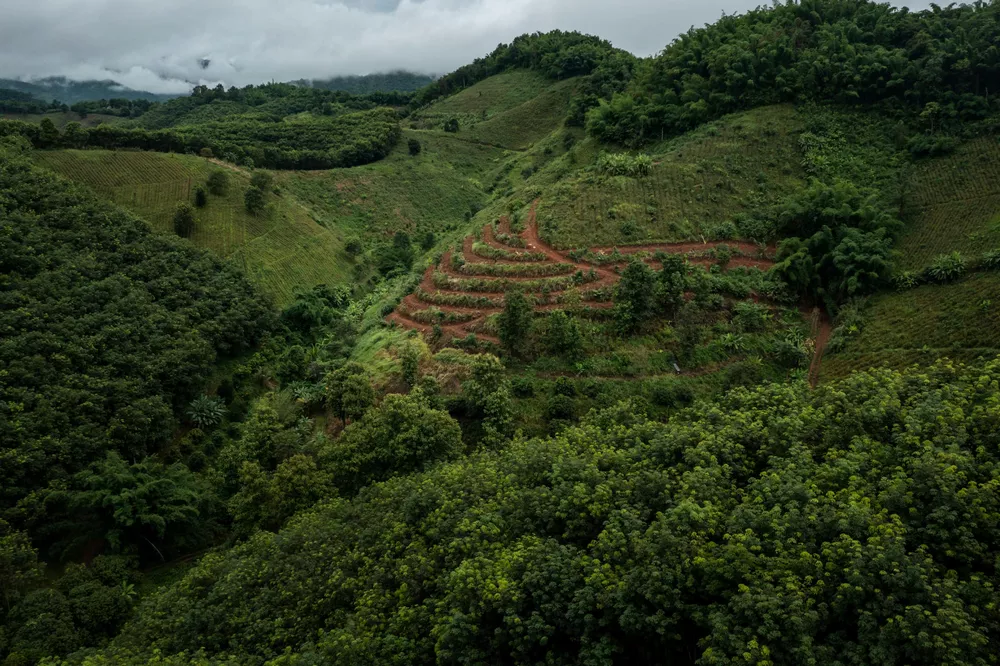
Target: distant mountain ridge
[(395, 81), (69, 92)]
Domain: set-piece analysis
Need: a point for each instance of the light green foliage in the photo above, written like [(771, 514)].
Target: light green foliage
[(946, 268), (205, 411), (623, 164), (266, 500), (280, 252), (669, 532)]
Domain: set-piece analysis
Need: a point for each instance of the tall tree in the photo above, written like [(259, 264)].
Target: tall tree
[(515, 322)]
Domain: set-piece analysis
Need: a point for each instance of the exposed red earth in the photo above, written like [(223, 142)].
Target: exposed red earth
[(435, 301)]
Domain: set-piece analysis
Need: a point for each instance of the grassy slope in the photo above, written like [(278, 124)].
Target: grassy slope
[(960, 321), (281, 251), (60, 119), (512, 110), (953, 203), (700, 179), (431, 192)]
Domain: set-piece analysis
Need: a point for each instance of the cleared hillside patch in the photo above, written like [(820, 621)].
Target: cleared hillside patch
[(433, 192), (60, 119), (484, 100), (282, 251), (696, 183), (953, 204), (959, 321)]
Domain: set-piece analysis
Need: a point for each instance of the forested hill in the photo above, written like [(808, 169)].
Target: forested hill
[(398, 81)]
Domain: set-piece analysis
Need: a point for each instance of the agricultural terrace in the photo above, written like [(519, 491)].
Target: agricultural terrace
[(460, 297), (281, 250)]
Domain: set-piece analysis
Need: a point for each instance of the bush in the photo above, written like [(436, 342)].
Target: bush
[(451, 125), (623, 164), (946, 268), (991, 260), (670, 393), (200, 197), (262, 180), (354, 247), (522, 387), (560, 408), (415, 147), (255, 200), (206, 153), (218, 183), (184, 220)]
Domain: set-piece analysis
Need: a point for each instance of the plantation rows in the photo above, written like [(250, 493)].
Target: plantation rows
[(109, 171), (459, 294)]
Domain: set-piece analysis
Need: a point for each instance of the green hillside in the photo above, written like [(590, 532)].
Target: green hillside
[(282, 251), (568, 357)]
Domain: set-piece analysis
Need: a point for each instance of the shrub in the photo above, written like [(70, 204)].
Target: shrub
[(415, 147), (254, 200), (218, 183), (990, 260), (623, 164), (451, 125), (523, 387), (206, 411), (200, 197), (262, 180), (670, 393), (946, 268), (906, 280), (206, 153), (184, 220)]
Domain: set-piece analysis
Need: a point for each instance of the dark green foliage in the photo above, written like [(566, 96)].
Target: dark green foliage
[(401, 435), (255, 200), (843, 242), (200, 197), (354, 247), (143, 505), (267, 499), (262, 180), (184, 220), (556, 54), (844, 51), (428, 242), (349, 391), (514, 324), (451, 125), (631, 541), (670, 393), (319, 143), (400, 81), (86, 606), (635, 299), (16, 101), (415, 147), (563, 336), (397, 257), (218, 183), (108, 332), (19, 566), (488, 399)]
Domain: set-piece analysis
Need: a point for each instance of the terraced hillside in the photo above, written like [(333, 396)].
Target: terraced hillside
[(281, 251), (466, 287)]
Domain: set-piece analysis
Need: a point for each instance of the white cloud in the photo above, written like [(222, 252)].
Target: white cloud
[(157, 44)]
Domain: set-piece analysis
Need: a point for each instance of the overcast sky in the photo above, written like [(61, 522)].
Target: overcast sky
[(157, 45)]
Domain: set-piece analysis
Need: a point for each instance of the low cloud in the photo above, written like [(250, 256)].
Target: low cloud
[(163, 46)]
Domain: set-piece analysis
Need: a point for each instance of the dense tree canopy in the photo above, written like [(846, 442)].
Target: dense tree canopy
[(857, 524), (843, 51), (106, 331)]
